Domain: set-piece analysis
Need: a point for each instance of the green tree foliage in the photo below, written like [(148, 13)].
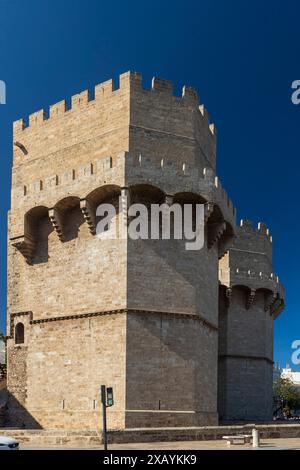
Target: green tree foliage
[(286, 397)]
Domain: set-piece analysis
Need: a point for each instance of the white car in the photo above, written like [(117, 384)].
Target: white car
[(8, 443)]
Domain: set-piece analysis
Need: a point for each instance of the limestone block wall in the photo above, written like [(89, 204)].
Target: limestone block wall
[(172, 127), (176, 382), (142, 316), (248, 332), (163, 276), (245, 359), (245, 401), (54, 379), (82, 275), (103, 117), (251, 296), (258, 242)]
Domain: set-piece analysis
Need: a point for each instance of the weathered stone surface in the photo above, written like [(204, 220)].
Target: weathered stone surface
[(162, 434), (246, 318), (141, 316)]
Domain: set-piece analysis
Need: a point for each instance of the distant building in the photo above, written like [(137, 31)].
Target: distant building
[(293, 376)]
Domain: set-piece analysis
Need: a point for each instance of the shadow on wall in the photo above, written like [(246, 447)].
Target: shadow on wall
[(13, 414), (3, 394)]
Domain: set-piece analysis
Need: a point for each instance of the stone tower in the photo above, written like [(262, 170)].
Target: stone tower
[(251, 296), (141, 316)]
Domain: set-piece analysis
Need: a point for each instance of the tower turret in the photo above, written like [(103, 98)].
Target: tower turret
[(138, 315), (251, 297)]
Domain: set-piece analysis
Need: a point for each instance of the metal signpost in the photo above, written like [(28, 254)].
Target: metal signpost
[(107, 400)]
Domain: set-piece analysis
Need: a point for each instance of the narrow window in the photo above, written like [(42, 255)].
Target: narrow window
[(19, 333)]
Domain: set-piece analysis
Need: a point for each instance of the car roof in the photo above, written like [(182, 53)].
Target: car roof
[(7, 440)]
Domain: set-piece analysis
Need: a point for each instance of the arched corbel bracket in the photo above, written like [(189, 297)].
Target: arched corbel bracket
[(56, 220), (228, 294), (250, 298), (169, 199), (208, 210), (89, 215), (215, 232), (125, 204), (269, 301), (277, 306), (26, 245)]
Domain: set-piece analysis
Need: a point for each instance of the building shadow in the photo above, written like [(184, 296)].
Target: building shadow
[(13, 414)]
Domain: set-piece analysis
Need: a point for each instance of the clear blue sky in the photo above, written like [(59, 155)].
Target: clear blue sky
[(241, 55)]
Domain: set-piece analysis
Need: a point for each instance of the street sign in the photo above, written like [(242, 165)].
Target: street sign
[(109, 396), (107, 400)]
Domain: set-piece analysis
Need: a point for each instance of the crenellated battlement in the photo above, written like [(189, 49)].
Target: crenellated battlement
[(267, 283), (261, 229), (223, 195), (128, 81), (126, 169), (253, 244), (107, 89), (245, 277), (248, 265), (123, 144), (78, 101)]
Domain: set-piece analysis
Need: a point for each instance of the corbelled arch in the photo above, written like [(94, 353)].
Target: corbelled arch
[(37, 229), (218, 230), (32, 218), (269, 296), (105, 194), (189, 197), (247, 291), (66, 217), (146, 193)]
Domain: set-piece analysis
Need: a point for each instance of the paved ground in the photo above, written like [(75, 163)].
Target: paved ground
[(266, 444)]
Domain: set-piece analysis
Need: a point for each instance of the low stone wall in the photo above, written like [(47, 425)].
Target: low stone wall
[(54, 437), (93, 438), (203, 433)]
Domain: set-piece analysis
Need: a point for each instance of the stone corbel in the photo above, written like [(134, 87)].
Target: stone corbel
[(56, 220), (125, 203), (208, 210), (250, 299), (277, 306), (222, 250), (228, 294), (215, 232), (169, 199), (269, 301), (89, 215), (26, 245)]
